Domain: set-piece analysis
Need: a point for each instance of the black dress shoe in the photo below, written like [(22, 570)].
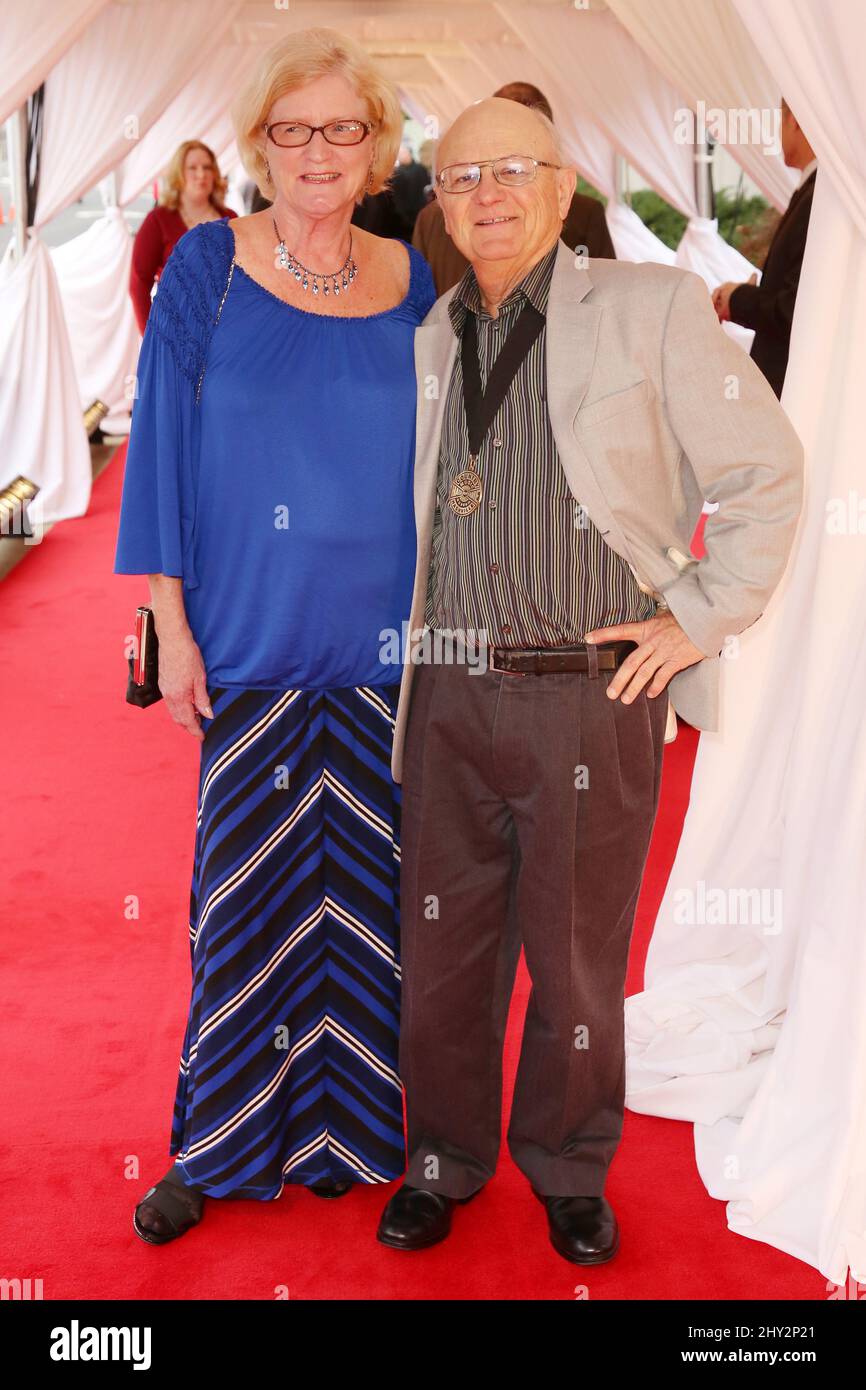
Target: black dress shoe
[(582, 1229), (416, 1217), (331, 1187)]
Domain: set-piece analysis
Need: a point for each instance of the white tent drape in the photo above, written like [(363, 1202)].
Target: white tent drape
[(433, 104), (589, 149), (93, 278), (129, 71), (632, 239), (752, 1021), (587, 146), (612, 83), (706, 52), (36, 34), (198, 112), (702, 249), (467, 78), (40, 411)]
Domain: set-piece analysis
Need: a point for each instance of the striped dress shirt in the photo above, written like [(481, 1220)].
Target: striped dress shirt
[(528, 568)]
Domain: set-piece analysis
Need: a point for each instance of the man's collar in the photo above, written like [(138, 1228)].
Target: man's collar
[(535, 286), (807, 172)]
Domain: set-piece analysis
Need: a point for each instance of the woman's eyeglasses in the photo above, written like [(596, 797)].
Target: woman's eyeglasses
[(289, 134), (513, 170)]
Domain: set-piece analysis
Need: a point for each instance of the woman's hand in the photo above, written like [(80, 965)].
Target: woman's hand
[(183, 682), (182, 677)]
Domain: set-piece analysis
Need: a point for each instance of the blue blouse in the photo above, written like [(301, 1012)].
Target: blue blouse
[(270, 466)]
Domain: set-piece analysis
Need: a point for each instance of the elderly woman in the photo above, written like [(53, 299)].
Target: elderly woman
[(268, 496), (193, 192)]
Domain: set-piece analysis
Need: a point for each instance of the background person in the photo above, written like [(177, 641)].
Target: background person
[(192, 192)]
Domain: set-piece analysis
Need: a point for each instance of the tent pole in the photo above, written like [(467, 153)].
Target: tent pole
[(16, 147), (620, 178), (704, 178)]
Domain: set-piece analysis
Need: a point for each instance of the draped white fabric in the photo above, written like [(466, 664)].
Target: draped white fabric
[(468, 80), (198, 112), (113, 84), (624, 94), (706, 52), (612, 83), (436, 99), (40, 411), (588, 148), (632, 239), (93, 277), (702, 250), (752, 1021), (36, 34)]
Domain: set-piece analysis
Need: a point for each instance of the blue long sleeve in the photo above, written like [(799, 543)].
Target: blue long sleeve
[(157, 512), (157, 515)]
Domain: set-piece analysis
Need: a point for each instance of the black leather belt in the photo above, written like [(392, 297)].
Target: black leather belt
[(590, 658)]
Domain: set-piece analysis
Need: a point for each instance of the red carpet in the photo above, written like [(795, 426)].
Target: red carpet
[(99, 802)]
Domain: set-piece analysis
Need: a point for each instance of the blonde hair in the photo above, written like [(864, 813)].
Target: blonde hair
[(292, 63), (173, 181)]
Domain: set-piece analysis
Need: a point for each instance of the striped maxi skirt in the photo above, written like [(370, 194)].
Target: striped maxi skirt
[(288, 1071)]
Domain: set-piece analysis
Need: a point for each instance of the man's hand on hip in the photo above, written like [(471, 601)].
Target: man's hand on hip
[(663, 649)]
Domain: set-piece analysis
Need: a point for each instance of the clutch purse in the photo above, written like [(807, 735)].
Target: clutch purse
[(142, 688)]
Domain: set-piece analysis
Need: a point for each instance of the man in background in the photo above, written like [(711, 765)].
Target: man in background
[(409, 188), (768, 308), (584, 224)]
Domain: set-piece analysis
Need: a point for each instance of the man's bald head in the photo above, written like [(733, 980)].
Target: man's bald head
[(496, 220), (498, 126)]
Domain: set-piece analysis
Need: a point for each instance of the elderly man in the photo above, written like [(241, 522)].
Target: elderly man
[(572, 416)]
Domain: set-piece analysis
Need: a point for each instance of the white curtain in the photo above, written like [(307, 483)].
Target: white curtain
[(614, 84), (200, 111), (93, 278), (706, 52), (113, 84), (36, 34), (752, 1021), (590, 150), (702, 249), (588, 147), (467, 78), (40, 411), (434, 104), (632, 238)]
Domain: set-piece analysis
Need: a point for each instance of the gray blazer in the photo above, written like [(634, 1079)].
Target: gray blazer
[(654, 409)]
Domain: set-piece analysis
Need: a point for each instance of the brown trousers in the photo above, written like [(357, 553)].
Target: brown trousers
[(528, 806)]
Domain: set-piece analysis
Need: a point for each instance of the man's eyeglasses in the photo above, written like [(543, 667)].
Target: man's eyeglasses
[(513, 170), (289, 134)]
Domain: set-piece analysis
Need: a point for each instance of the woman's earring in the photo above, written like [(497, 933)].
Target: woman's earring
[(268, 171), (369, 183)]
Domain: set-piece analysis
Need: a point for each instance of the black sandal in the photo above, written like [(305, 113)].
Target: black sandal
[(175, 1203), (330, 1187)]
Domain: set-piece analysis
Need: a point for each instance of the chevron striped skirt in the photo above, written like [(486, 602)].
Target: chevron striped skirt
[(288, 1071)]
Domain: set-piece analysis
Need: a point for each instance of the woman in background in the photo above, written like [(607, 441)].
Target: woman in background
[(193, 192)]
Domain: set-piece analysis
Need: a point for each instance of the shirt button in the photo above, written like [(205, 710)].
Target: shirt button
[(497, 443), (494, 568), (506, 630), (492, 502)]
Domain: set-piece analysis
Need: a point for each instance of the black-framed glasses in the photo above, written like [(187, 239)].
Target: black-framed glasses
[(290, 134), (512, 170)]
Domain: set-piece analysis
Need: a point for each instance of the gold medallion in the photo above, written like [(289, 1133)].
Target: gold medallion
[(465, 495)]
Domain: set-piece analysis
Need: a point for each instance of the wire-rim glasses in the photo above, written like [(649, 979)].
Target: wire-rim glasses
[(512, 170)]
